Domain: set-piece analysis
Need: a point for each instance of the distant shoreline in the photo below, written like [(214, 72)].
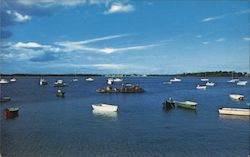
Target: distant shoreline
[(197, 74)]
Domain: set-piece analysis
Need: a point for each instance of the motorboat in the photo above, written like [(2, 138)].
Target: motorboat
[(210, 84), (236, 96), (110, 81), (186, 104), (204, 79), (5, 98), (202, 87), (105, 107), (233, 80), (241, 83), (13, 80), (117, 79), (59, 83), (60, 93), (3, 81), (43, 82), (175, 80), (89, 79), (235, 111), (10, 113)]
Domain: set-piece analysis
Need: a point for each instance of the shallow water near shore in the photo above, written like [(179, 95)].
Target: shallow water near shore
[(49, 126)]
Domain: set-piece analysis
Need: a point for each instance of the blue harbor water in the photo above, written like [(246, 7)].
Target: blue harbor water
[(50, 126)]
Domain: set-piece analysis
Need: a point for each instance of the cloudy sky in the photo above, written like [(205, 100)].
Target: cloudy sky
[(111, 36)]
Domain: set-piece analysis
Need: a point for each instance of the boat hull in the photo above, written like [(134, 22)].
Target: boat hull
[(105, 107), (235, 111), (236, 96)]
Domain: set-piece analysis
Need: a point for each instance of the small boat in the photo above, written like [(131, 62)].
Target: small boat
[(175, 80), (202, 87), (241, 83), (13, 80), (168, 104), (204, 79), (236, 96), (110, 81), (186, 104), (10, 113), (5, 99), (235, 111), (75, 80), (59, 83), (105, 107), (89, 79), (118, 80), (60, 93), (43, 82), (3, 81), (233, 80), (210, 84)]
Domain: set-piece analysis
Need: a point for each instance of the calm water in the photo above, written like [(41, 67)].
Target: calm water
[(48, 126)]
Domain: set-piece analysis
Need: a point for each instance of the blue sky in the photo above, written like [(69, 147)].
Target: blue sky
[(111, 36)]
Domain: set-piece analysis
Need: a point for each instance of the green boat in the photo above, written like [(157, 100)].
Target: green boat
[(186, 104), (60, 93)]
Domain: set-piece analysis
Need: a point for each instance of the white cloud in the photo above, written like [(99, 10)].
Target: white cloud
[(242, 12), (246, 38), (119, 7), (52, 2), (212, 18), (18, 17), (205, 42), (34, 45), (108, 66), (220, 40)]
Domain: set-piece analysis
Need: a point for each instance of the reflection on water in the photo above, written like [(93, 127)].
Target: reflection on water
[(234, 117), (107, 114)]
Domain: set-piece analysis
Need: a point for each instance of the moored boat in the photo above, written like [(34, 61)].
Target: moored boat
[(117, 79), (210, 84), (3, 81), (5, 98), (43, 82), (11, 112), (203, 87), (59, 83), (204, 79), (235, 111), (241, 83), (186, 104), (60, 93), (75, 80), (175, 80), (13, 80), (89, 79), (110, 81), (236, 96), (105, 107)]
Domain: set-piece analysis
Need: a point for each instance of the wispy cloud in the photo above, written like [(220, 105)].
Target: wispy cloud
[(220, 40), (246, 38), (212, 18), (119, 7), (205, 42), (242, 12), (18, 17)]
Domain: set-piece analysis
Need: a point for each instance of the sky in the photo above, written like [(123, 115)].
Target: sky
[(124, 36)]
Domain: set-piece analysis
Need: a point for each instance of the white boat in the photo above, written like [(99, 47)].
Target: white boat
[(235, 111), (75, 80), (89, 79), (204, 79), (59, 83), (105, 107), (118, 80), (175, 80), (241, 83), (186, 104), (12, 80), (201, 87), (233, 80), (236, 96), (42, 82), (3, 81), (210, 84), (110, 81)]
